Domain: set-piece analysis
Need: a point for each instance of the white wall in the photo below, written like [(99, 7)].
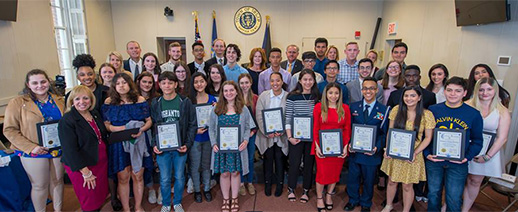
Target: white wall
[(26, 44), (429, 29), (100, 29), (143, 21)]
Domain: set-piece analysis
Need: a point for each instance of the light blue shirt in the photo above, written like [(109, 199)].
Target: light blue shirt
[(233, 73), (371, 105)]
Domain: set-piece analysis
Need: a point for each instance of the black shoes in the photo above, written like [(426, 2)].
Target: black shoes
[(116, 204), (197, 197), (268, 189), (366, 209), (349, 207), (208, 196), (278, 190)]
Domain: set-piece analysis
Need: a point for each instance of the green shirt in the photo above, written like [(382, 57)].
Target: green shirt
[(171, 109)]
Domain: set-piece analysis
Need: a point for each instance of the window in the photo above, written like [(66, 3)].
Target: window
[(70, 33)]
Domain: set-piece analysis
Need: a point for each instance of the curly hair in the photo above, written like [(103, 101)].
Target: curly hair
[(83, 60)]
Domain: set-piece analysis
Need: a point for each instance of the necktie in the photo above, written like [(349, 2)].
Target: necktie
[(137, 72), (220, 61), (366, 113), (289, 67)]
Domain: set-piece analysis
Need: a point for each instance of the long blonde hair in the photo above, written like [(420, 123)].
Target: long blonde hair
[(325, 104), (496, 102)]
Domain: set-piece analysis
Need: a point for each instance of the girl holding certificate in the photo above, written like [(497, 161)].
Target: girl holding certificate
[(250, 100), (38, 104), (496, 120), (83, 135), (300, 101), (329, 114), (125, 105), (201, 151), (273, 146), (230, 110), (408, 115)]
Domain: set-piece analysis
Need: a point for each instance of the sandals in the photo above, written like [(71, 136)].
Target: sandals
[(235, 205), (226, 205), (321, 209), (291, 192), (304, 199), (328, 206)]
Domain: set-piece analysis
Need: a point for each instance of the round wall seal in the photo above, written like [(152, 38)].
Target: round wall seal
[(247, 20)]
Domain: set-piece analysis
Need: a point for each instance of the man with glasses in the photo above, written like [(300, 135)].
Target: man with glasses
[(308, 60), (364, 165), (292, 64), (364, 70), (412, 76), (398, 54), (332, 68), (349, 65), (198, 65)]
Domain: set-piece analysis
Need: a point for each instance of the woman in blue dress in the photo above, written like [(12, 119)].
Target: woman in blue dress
[(126, 109)]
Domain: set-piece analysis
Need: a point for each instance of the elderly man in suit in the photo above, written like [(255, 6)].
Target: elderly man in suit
[(219, 47), (292, 64), (363, 164), (134, 63), (365, 67)]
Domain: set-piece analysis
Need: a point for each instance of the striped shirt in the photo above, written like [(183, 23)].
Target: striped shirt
[(298, 104)]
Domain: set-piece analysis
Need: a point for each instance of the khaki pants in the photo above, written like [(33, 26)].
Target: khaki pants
[(45, 173)]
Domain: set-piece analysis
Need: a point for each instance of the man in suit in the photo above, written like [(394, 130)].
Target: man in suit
[(219, 47), (399, 52), (363, 165), (355, 87), (412, 78), (198, 65), (134, 63), (292, 64)]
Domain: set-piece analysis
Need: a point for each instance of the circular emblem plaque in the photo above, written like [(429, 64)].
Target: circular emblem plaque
[(247, 20)]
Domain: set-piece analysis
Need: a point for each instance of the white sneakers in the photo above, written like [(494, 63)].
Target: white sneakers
[(159, 199), (152, 196), (190, 186), (165, 209), (178, 208)]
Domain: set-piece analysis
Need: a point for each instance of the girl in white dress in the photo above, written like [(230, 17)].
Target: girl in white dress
[(496, 120)]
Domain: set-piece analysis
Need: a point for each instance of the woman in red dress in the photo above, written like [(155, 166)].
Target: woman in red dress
[(330, 113)]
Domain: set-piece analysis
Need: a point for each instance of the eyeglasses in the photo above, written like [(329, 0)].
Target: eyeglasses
[(369, 88)]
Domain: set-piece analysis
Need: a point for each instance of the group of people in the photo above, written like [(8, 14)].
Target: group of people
[(141, 93)]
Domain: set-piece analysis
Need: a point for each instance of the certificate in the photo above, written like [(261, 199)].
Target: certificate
[(363, 138), (168, 136), (302, 128), (48, 134), (273, 120), (449, 144), (489, 139), (203, 114), (229, 138), (401, 144), (331, 143)]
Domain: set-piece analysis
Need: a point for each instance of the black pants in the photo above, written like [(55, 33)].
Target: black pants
[(297, 152), (271, 155)]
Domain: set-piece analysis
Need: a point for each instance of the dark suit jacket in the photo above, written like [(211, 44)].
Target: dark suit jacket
[(193, 69), (79, 142), (428, 98), (296, 68), (378, 116), (213, 61)]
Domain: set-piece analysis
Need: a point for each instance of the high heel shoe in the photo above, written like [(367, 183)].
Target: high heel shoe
[(328, 206), (306, 198), (318, 208)]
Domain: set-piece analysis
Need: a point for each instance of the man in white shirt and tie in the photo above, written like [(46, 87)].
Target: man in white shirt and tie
[(134, 63), (219, 47)]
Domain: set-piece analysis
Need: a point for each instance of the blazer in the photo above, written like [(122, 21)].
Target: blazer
[(245, 123), (79, 142), (127, 65), (355, 92), (188, 124), (21, 116), (379, 118), (296, 67), (213, 61), (428, 98), (262, 142), (193, 69)]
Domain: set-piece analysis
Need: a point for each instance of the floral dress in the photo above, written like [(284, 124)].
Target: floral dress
[(227, 162)]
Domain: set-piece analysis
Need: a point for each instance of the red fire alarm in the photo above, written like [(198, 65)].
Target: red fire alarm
[(357, 34)]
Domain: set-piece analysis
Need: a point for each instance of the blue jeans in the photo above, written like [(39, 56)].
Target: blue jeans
[(249, 178), (167, 161), (452, 177)]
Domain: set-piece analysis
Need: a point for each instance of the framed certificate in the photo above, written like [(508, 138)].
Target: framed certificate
[(331, 143), (203, 114), (273, 120), (48, 134), (489, 139), (401, 144), (449, 144), (229, 138), (363, 138), (168, 136), (302, 128)]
